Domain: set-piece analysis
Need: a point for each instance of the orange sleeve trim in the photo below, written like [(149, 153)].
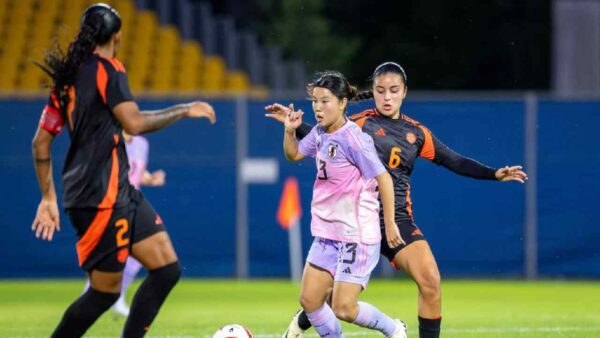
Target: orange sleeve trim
[(428, 150), (102, 80), (92, 236)]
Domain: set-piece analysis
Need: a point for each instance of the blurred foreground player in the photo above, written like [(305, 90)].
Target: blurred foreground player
[(91, 97)]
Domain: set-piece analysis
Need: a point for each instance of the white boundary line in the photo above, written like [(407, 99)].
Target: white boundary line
[(458, 331), (450, 331)]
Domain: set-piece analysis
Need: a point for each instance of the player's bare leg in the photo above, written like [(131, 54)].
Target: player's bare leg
[(418, 261), (316, 283)]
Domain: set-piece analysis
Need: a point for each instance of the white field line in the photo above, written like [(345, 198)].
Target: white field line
[(451, 331)]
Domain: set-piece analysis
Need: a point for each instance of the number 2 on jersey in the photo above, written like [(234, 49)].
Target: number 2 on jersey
[(123, 226), (395, 158)]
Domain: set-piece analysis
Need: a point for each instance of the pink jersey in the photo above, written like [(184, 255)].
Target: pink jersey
[(344, 205), (137, 153)]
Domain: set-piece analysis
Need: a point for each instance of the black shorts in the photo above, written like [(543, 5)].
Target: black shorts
[(106, 235), (409, 231)]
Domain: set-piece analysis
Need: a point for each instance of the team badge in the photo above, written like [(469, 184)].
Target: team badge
[(411, 138), (332, 150)]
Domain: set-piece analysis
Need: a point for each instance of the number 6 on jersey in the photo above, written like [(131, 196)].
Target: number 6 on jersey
[(395, 159)]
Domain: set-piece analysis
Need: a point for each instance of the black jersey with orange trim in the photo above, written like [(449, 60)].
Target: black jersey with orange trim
[(96, 168), (399, 142)]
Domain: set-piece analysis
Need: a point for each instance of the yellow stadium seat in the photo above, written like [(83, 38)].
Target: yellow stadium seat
[(46, 5), (22, 9), (188, 67), (31, 78), (213, 73), (142, 37), (3, 10), (9, 71), (238, 81), (162, 78)]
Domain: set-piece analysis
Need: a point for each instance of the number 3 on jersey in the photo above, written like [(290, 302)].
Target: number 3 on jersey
[(322, 168), (395, 159)]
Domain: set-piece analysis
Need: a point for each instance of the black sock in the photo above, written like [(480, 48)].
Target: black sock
[(83, 313), (149, 298), (429, 328), (303, 321)]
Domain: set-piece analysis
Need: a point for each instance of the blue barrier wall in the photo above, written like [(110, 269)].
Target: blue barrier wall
[(475, 227)]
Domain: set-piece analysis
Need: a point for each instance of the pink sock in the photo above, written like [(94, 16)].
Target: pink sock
[(370, 317), (325, 322)]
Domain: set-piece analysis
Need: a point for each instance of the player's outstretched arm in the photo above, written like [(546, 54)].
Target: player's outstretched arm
[(459, 164), (47, 217), (137, 122)]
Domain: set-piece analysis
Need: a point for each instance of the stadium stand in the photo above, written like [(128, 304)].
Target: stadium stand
[(157, 59)]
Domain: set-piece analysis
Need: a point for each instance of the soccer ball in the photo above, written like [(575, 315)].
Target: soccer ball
[(233, 331)]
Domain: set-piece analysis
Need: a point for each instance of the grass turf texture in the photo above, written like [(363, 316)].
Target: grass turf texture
[(196, 308)]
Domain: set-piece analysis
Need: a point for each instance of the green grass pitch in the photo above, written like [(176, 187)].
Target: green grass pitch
[(196, 308)]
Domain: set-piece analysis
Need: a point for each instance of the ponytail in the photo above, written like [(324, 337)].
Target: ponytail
[(63, 68), (364, 95), (98, 23)]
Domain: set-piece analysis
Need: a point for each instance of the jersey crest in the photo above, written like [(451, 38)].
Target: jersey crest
[(332, 150)]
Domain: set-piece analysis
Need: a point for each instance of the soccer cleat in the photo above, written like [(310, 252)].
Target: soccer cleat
[(294, 330), (400, 331), (120, 307)]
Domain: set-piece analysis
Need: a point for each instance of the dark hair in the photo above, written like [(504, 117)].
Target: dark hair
[(98, 23), (386, 67), (390, 67), (336, 82)]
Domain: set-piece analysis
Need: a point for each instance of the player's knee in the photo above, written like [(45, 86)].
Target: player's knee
[(168, 274), (105, 298), (110, 285), (429, 284), (345, 311), (309, 303), (92, 300)]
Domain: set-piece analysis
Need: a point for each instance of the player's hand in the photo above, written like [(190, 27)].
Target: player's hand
[(293, 120), (46, 220), (202, 109), (277, 112), (392, 234), (514, 173), (158, 178)]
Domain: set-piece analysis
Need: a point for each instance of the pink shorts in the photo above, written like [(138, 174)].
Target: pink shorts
[(346, 262)]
